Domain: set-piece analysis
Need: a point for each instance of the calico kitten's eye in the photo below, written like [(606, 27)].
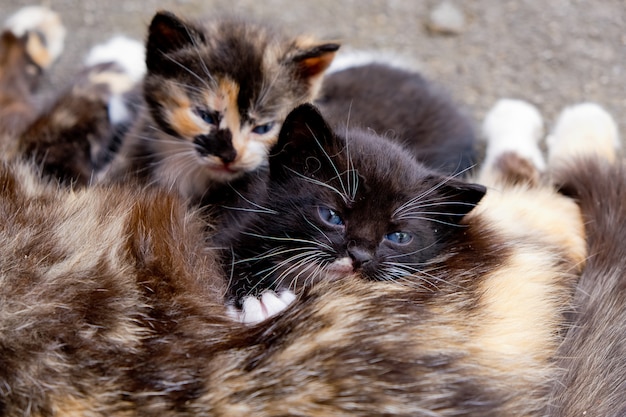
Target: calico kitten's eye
[(330, 216), (208, 117), (262, 129), (399, 238)]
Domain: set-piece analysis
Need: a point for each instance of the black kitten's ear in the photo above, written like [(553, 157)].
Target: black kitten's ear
[(456, 198), (305, 143), (312, 60), (167, 33)]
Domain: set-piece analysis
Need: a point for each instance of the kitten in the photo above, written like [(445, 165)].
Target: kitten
[(111, 305), (68, 138), (401, 105), (343, 203), (216, 93)]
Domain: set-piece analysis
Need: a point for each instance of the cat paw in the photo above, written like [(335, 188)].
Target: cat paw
[(583, 129), (513, 126), (43, 31), (254, 310)]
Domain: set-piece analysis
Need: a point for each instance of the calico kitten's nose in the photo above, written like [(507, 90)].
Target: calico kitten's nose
[(360, 257), (218, 144)]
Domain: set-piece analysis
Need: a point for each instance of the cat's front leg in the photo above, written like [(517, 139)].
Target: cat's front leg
[(256, 309)]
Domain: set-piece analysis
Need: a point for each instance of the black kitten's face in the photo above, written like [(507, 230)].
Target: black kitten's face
[(335, 209)]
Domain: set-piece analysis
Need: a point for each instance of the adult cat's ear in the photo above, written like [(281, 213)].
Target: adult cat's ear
[(167, 33), (456, 198), (311, 60), (304, 144)]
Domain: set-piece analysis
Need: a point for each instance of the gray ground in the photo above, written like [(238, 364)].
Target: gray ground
[(553, 53)]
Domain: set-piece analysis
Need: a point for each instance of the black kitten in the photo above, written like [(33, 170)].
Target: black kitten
[(342, 204)]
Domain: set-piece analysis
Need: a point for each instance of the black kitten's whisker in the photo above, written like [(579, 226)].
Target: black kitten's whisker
[(259, 207), (343, 196), (332, 164), (289, 239), (280, 250), (433, 220)]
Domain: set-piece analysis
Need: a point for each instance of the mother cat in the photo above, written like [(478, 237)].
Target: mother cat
[(112, 305)]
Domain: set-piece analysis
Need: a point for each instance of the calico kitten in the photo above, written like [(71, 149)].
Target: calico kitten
[(111, 305), (343, 203), (403, 106), (216, 93)]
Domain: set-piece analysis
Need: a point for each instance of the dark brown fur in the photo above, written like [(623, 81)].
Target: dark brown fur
[(405, 107)]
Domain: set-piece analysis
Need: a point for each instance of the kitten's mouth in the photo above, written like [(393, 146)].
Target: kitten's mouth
[(340, 268)]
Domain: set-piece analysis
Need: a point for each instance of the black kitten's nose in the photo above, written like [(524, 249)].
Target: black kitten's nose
[(360, 257)]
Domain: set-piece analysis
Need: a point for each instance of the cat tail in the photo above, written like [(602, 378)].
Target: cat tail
[(512, 130), (82, 130), (31, 40), (583, 155)]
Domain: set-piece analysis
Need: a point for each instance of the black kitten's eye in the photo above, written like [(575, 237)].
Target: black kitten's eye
[(399, 238), (330, 216), (208, 117), (262, 129)]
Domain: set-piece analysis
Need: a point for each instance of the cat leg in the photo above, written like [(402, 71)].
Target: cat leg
[(512, 130), (30, 42), (255, 310), (81, 131)]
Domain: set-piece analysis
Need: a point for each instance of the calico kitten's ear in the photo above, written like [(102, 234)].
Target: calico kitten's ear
[(457, 198), (312, 60), (167, 33), (304, 144)]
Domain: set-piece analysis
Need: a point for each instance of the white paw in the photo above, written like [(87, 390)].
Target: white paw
[(46, 23), (583, 129), (128, 53), (513, 126), (255, 310)]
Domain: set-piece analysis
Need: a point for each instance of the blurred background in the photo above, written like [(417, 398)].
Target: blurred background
[(552, 53)]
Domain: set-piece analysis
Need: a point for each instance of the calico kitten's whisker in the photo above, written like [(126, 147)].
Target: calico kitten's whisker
[(202, 63), (190, 71), (188, 87)]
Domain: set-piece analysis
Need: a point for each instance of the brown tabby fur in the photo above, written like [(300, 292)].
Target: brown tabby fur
[(112, 304)]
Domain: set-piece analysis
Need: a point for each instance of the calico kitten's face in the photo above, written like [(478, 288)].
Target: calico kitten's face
[(338, 206), (221, 90)]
